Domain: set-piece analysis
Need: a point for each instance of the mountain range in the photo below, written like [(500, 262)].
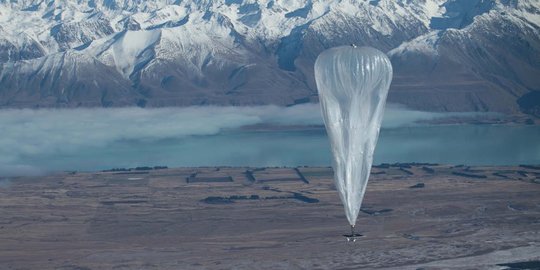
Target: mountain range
[(448, 55)]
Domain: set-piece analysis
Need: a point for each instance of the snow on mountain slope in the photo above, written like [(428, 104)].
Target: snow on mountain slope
[(19, 47), (486, 65), (177, 53), (128, 50), (61, 78)]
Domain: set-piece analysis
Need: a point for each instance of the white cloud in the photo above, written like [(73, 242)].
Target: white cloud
[(28, 133)]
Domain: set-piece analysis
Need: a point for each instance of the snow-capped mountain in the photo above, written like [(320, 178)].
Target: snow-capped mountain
[(448, 54)]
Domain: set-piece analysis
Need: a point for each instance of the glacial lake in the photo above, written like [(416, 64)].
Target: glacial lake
[(38, 142), (462, 144)]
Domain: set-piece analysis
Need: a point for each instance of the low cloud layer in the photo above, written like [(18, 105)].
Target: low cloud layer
[(32, 133)]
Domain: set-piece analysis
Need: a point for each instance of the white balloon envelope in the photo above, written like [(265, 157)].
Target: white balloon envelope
[(353, 84)]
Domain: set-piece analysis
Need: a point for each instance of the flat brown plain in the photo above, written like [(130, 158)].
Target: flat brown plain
[(270, 218)]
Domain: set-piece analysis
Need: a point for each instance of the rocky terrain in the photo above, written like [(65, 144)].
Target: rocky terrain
[(448, 55), (414, 216)]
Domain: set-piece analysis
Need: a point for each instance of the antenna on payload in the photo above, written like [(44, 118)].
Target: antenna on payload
[(353, 236)]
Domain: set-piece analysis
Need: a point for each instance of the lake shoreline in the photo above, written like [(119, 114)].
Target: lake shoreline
[(459, 169)]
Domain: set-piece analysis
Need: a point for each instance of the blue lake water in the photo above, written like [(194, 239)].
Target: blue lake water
[(461, 144), (41, 141)]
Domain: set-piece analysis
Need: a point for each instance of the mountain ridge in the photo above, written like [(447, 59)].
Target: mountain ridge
[(448, 55)]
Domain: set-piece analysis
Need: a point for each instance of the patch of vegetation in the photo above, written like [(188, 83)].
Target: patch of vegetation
[(522, 265), (469, 175), (419, 185)]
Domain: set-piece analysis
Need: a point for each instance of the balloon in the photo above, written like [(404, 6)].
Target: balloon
[(353, 84)]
